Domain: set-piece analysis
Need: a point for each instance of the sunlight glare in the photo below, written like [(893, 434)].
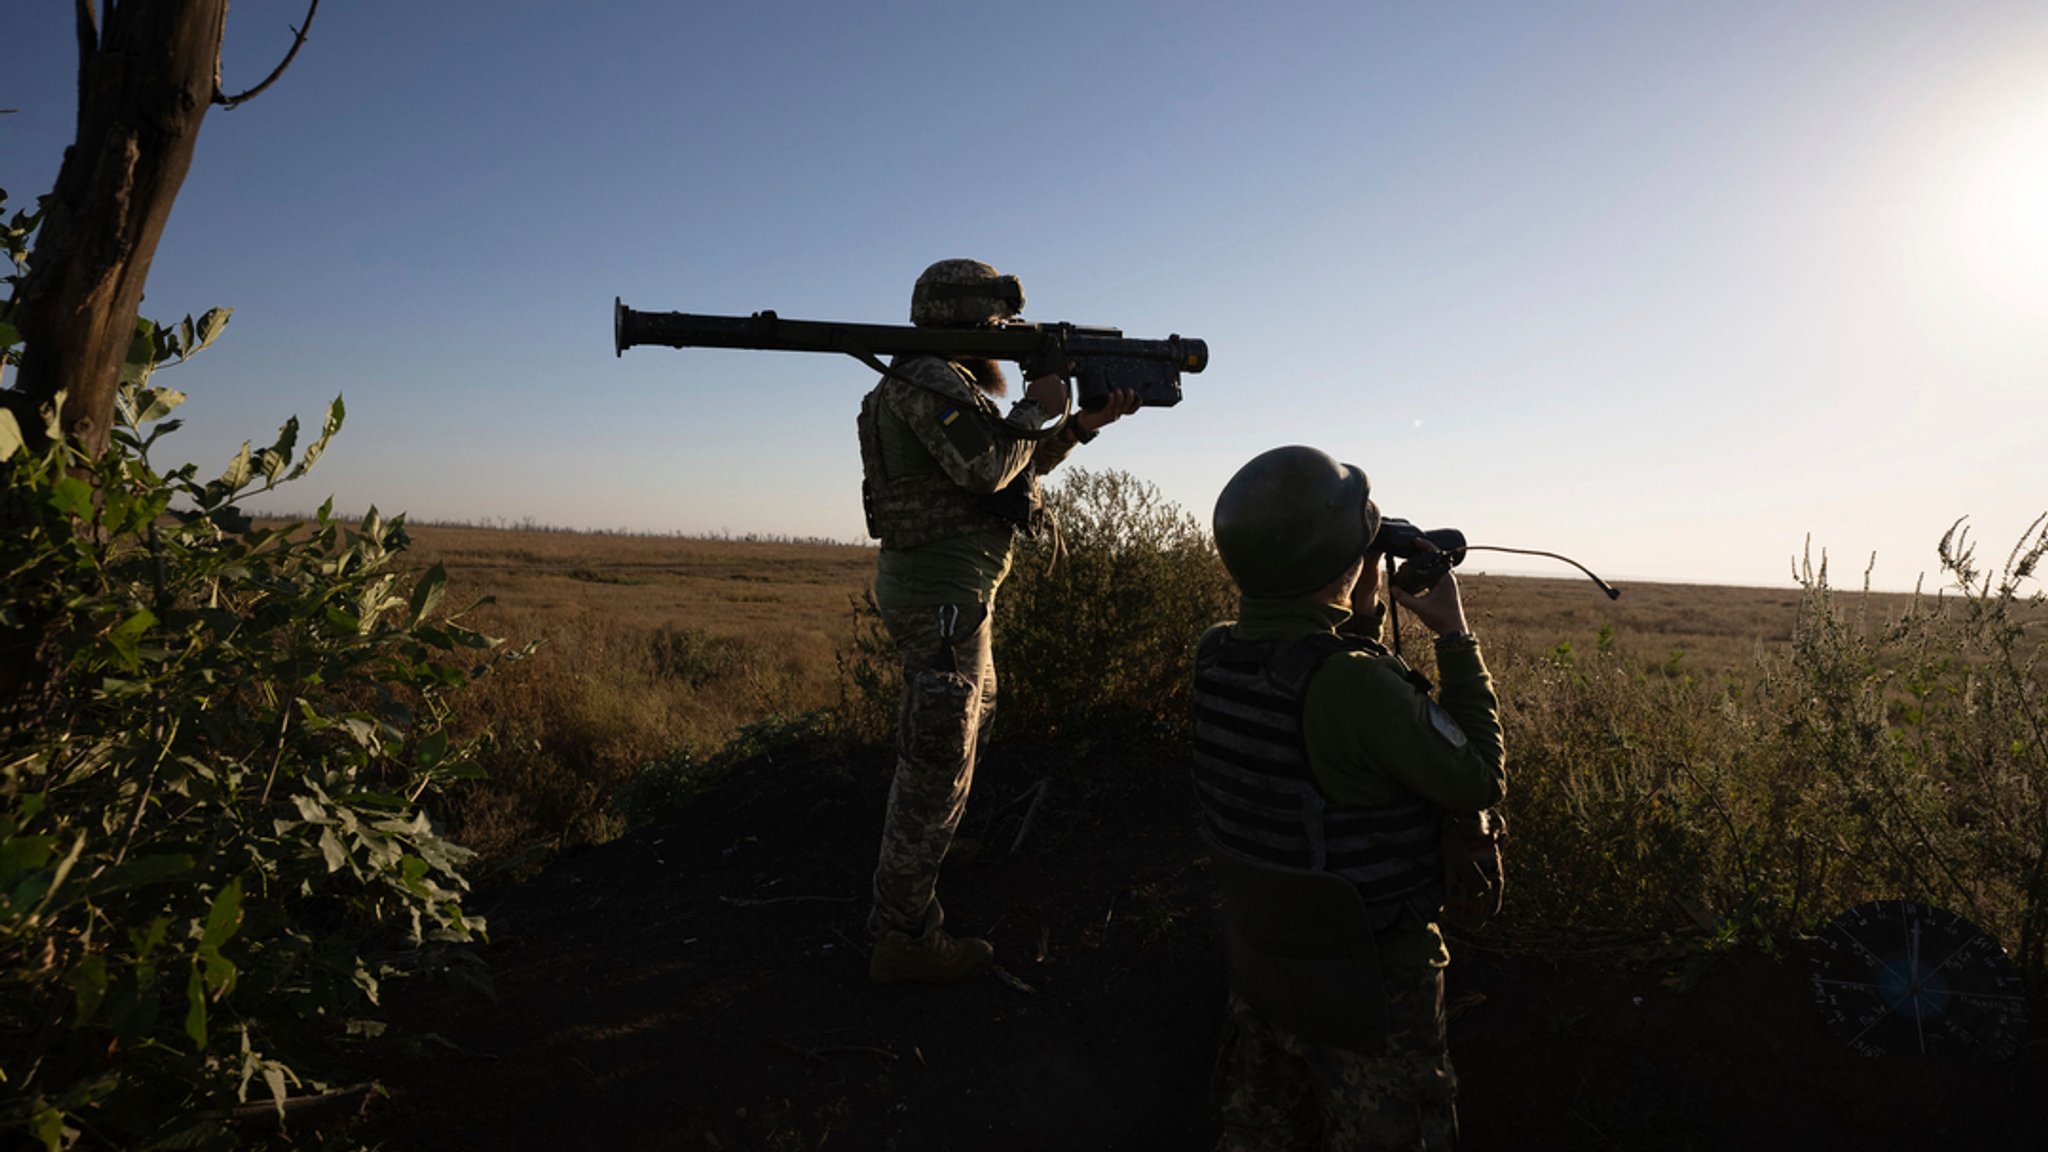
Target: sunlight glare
[(1993, 201)]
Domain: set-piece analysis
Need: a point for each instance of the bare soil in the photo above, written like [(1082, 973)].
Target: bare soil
[(701, 984)]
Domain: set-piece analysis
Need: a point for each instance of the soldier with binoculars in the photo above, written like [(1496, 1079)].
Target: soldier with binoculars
[(1327, 775)]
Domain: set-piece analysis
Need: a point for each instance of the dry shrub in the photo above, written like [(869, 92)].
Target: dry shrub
[(1620, 796), (1887, 752)]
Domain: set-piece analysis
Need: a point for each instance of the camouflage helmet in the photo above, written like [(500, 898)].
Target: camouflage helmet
[(1292, 520), (964, 294)]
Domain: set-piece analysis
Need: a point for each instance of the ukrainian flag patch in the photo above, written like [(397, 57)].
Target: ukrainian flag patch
[(965, 432)]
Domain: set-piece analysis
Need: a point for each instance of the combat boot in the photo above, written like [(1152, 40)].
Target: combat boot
[(933, 958)]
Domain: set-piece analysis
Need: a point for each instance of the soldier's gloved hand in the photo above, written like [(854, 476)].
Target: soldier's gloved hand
[(1121, 403)]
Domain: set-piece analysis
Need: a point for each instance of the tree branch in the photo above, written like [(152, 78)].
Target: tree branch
[(298, 41)]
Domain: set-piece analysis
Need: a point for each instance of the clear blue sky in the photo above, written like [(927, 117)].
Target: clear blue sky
[(1669, 287)]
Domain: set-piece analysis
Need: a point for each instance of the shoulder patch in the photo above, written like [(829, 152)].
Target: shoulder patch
[(1441, 723), (964, 431)]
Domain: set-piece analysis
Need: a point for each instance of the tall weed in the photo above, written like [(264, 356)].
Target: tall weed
[(1898, 756)]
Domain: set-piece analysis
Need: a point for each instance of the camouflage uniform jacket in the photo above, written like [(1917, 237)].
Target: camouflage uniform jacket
[(974, 452)]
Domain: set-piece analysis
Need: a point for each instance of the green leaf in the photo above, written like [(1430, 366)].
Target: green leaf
[(153, 404), (195, 1007), (48, 1126), (20, 854), (211, 324), (335, 412), (273, 459), (433, 748), (222, 919), (71, 496), (144, 942), (142, 356), (88, 983), (331, 848), (469, 638), (134, 626), (127, 636), (224, 915), (62, 873), (10, 434), (462, 770), (428, 592), (237, 473)]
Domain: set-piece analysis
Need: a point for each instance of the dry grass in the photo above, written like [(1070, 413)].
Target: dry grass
[(648, 647), (566, 588), (644, 647), (1764, 754), (1718, 630)]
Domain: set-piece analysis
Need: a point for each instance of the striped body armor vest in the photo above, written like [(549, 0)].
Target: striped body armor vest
[(1259, 796)]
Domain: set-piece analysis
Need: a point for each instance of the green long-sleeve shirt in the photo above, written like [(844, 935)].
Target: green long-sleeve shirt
[(1373, 738)]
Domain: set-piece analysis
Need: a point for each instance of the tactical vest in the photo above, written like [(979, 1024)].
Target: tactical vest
[(1259, 796), (925, 507)]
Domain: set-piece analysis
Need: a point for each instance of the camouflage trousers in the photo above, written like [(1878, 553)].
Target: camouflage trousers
[(1277, 1092), (949, 700)]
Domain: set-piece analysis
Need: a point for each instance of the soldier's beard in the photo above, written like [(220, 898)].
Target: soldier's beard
[(988, 376)]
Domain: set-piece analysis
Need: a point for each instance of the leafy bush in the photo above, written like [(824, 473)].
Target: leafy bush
[(214, 845), (1095, 629)]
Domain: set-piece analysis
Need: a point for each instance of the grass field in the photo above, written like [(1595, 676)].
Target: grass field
[(647, 646), (794, 597), (1754, 756)]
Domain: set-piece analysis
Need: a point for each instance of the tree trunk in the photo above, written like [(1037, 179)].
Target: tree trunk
[(145, 82)]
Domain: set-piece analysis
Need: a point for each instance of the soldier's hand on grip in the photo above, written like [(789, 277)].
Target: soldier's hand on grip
[(1121, 403)]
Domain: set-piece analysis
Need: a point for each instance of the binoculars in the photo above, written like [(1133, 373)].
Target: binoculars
[(1420, 567)]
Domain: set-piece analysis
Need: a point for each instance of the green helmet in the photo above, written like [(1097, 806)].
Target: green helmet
[(1292, 520), (964, 294)]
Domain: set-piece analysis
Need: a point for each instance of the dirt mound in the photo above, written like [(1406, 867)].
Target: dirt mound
[(702, 984)]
